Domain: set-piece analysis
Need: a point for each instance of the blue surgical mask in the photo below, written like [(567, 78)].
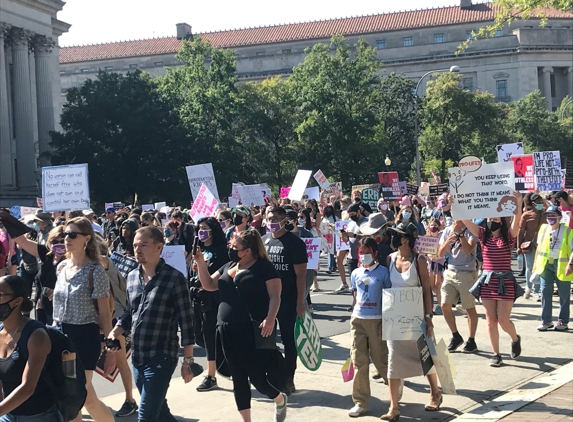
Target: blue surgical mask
[(366, 259), (36, 227), (538, 207), (167, 232), (406, 215)]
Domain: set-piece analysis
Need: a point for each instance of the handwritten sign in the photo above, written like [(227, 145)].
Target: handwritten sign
[(307, 340), (321, 179), (547, 170), (28, 211), (251, 195), (487, 192), (341, 226), (335, 187), (299, 185), (427, 245), (40, 202), (389, 185), (266, 190), (524, 173), (312, 252), (175, 257), (65, 188), (425, 188), (204, 205), (201, 174), (505, 152), (444, 368), (284, 192), (402, 313)]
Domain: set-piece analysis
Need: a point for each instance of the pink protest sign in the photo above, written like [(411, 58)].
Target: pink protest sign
[(285, 192), (313, 252), (205, 204)]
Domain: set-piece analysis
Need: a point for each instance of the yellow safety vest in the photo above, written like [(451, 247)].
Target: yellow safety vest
[(543, 249)]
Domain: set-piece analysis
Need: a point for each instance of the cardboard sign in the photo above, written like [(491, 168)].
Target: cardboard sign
[(307, 340), (341, 226), (412, 189), (487, 192), (65, 188), (321, 179), (175, 257), (147, 207), (204, 205), (425, 356), (370, 196), (427, 245), (313, 193), (444, 368), (299, 185), (524, 173), (402, 313), (547, 170), (504, 152), (284, 192), (251, 195), (312, 252), (202, 174), (437, 190), (389, 185), (24, 211)]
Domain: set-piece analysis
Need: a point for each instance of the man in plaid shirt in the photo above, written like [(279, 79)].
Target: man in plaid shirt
[(157, 303)]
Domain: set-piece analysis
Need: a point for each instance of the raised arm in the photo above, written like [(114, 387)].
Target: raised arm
[(472, 227), (517, 217), (208, 281), (28, 245)]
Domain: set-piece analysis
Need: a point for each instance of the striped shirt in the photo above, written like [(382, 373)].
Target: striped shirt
[(496, 257)]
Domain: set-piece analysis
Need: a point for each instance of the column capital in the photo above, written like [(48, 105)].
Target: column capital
[(43, 44), (4, 28), (548, 69), (568, 70), (20, 38)]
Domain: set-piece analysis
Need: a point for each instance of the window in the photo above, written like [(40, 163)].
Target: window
[(380, 44), (408, 41), (260, 53), (438, 38), (86, 70), (109, 68), (468, 83), (133, 66), (528, 26), (501, 88), (469, 35), (552, 81), (158, 63), (62, 72), (288, 51), (498, 33)]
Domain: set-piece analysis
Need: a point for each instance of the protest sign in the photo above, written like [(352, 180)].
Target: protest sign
[(202, 174), (124, 264), (425, 356), (204, 205), (504, 152), (321, 179), (28, 210), (436, 178), (403, 188), (251, 195), (389, 185), (341, 226), (370, 196), (15, 211), (425, 188), (100, 365), (299, 185), (40, 202), (312, 251), (284, 192), (175, 257), (402, 313), (411, 189), (147, 207), (487, 192), (569, 175), (444, 368), (266, 190), (524, 173), (307, 340), (437, 190), (427, 245), (335, 187), (313, 193), (65, 188), (547, 170), (563, 177), (235, 197), (327, 236), (159, 205)]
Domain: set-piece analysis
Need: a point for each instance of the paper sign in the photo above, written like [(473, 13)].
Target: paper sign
[(313, 193), (487, 192), (307, 340), (403, 188), (370, 196), (251, 195), (547, 170), (321, 179), (266, 190), (284, 192), (24, 211), (524, 173), (504, 152), (437, 190), (204, 205), (444, 368), (202, 174), (411, 189), (389, 185), (427, 245), (175, 257), (327, 236), (341, 226), (65, 188), (147, 207), (159, 205), (335, 187), (402, 313), (312, 251), (299, 185)]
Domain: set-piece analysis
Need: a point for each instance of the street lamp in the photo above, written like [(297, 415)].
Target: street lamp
[(453, 69), (387, 161)]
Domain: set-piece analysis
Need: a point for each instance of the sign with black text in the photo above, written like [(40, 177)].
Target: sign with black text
[(547, 170), (65, 188)]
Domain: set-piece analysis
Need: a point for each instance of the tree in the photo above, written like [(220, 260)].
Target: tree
[(126, 133)]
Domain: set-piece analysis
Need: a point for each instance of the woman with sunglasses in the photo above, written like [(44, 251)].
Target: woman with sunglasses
[(82, 282), (225, 219)]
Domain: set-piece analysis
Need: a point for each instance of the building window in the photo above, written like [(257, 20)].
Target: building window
[(260, 53), (133, 66), (109, 68), (288, 51), (438, 38), (552, 80), (408, 41), (498, 33), (86, 70), (62, 72), (501, 88), (158, 63), (468, 83), (469, 34), (528, 26), (380, 44)]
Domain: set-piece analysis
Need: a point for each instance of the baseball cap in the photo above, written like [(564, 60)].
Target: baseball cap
[(354, 208), (553, 209), (88, 212), (243, 209), (110, 208), (291, 214), (560, 194)]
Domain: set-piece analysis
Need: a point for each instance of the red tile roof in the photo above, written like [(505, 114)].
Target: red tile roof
[(293, 32)]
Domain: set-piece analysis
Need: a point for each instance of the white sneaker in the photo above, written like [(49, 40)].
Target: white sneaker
[(544, 326), (537, 297), (561, 326), (527, 294), (356, 411), (342, 289), (281, 412)]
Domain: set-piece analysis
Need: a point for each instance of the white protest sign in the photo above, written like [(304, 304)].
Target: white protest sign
[(312, 251), (28, 210), (204, 205), (175, 257), (402, 313), (266, 190), (425, 189), (444, 368), (251, 195), (403, 188), (341, 226), (321, 179), (147, 207), (313, 193), (504, 152), (202, 174), (427, 245), (486, 192), (159, 205), (335, 187), (233, 202), (299, 185), (65, 188), (327, 236), (547, 170)]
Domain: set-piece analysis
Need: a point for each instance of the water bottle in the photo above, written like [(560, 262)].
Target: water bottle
[(520, 262)]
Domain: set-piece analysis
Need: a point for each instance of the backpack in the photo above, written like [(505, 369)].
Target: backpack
[(69, 394)]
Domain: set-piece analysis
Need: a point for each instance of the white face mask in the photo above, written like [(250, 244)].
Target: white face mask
[(384, 207), (366, 259)]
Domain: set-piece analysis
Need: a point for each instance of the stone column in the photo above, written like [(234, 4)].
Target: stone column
[(569, 74), (547, 71), (23, 114), (43, 50), (6, 162)]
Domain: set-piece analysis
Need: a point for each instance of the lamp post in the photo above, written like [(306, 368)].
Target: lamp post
[(453, 69), (387, 161)]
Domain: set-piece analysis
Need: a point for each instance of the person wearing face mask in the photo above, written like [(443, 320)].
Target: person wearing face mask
[(554, 265), (408, 215), (384, 209), (293, 226), (498, 287), (352, 235), (529, 226), (327, 232), (225, 219), (241, 221), (428, 210), (288, 254), (170, 232), (436, 265), (43, 223), (367, 282)]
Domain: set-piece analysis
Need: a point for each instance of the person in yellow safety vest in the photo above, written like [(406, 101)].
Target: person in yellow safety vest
[(554, 263)]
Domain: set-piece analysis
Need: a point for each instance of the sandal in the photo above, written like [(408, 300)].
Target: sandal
[(435, 403), (393, 415)]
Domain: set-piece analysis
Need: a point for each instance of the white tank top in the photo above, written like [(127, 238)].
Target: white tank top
[(408, 278)]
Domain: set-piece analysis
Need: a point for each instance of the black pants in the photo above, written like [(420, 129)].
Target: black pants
[(287, 320), (209, 320), (352, 265)]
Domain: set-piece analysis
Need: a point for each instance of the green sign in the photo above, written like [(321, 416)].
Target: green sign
[(307, 341), (371, 196)]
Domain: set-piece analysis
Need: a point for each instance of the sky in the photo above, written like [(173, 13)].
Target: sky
[(100, 21)]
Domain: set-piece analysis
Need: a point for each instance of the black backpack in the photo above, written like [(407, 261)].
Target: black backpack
[(69, 393)]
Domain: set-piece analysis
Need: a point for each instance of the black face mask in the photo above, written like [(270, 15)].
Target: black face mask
[(493, 225), (357, 199), (354, 218), (5, 310), (234, 255), (237, 220), (289, 226), (396, 241)]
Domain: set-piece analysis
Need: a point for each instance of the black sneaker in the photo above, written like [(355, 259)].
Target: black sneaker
[(496, 361), (516, 348), (128, 409), (455, 342), (470, 347), (289, 388), (208, 384)]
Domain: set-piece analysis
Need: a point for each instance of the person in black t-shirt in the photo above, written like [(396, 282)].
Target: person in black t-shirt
[(288, 253)]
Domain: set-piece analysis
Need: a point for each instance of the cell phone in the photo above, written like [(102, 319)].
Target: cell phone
[(112, 344), (195, 244)]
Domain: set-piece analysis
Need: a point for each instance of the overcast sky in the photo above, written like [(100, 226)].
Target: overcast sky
[(98, 21)]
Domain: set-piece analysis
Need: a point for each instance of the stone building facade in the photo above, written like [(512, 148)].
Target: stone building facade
[(30, 93)]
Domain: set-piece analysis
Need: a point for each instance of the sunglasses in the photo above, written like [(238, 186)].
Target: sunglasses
[(56, 241), (73, 235)]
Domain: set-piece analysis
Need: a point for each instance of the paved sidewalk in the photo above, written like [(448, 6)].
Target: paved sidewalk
[(556, 406)]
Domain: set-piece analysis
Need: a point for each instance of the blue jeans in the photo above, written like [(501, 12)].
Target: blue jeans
[(50, 415), (331, 261), (529, 258), (152, 380), (548, 278)]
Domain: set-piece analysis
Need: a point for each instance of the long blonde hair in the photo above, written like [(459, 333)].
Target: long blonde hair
[(252, 239), (92, 249), (56, 233)]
